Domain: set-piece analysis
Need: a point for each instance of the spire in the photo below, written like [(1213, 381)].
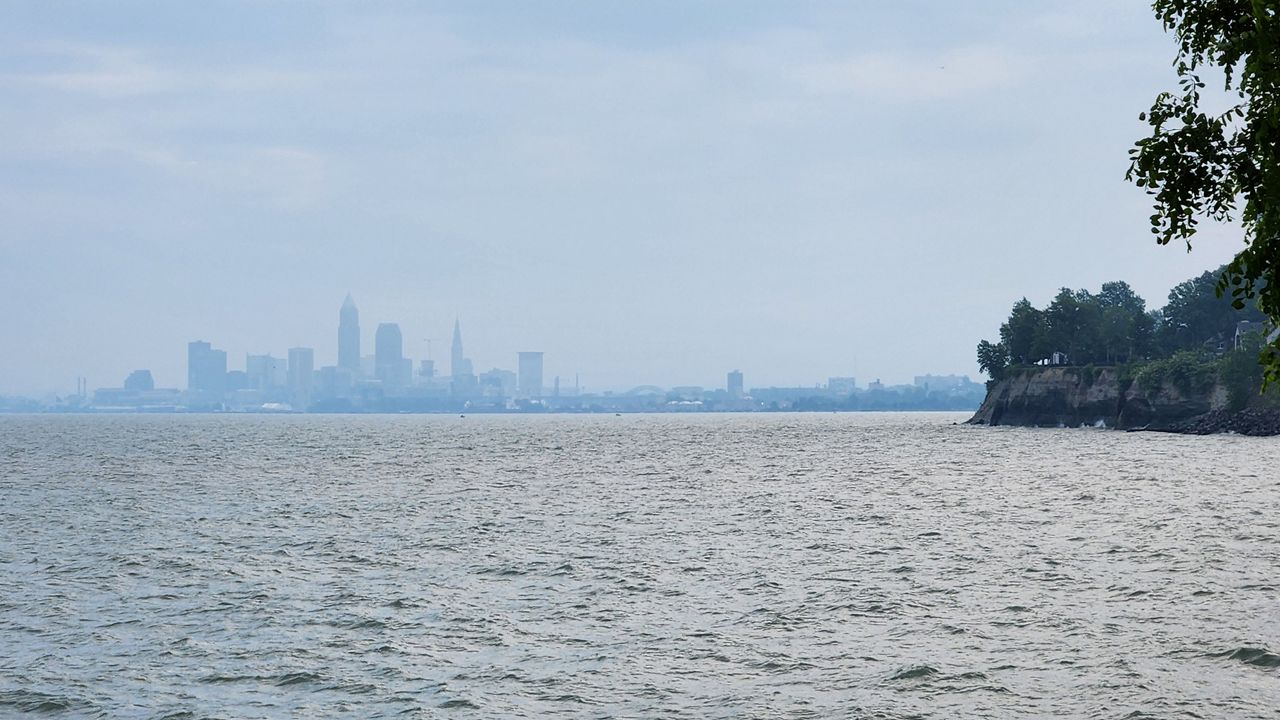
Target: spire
[(349, 336), (457, 361)]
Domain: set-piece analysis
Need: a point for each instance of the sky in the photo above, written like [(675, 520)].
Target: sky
[(650, 193)]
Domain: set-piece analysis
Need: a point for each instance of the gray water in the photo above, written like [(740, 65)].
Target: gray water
[(792, 566)]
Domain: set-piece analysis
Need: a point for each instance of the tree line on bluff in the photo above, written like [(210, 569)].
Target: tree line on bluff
[(1113, 326)]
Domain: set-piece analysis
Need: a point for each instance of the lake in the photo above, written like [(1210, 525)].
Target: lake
[(682, 566)]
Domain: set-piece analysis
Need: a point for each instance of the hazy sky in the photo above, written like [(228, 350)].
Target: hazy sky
[(649, 192)]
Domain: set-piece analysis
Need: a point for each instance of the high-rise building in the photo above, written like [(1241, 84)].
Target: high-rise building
[(206, 370), (940, 382), (841, 386), (529, 378), (459, 365), (498, 382), (302, 364), (349, 336), (265, 372), (734, 382), (388, 354), (140, 380)]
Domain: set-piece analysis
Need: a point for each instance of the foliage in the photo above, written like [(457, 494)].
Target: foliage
[(992, 359), (1221, 166), (1187, 371), (1087, 374), (1238, 371), (1020, 333), (1197, 314), (1113, 326), (1105, 328), (1194, 373)]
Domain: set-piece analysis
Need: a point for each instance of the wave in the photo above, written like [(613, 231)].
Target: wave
[(31, 701), (1260, 657), (915, 672)]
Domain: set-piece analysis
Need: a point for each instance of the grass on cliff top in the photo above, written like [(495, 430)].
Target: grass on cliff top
[(1189, 372)]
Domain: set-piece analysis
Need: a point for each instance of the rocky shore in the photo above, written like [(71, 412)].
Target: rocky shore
[(1245, 422), (1106, 397)]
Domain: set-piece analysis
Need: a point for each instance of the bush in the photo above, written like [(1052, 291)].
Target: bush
[(1186, 371)]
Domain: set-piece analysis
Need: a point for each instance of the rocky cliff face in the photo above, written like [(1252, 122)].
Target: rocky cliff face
[(1070, 397)]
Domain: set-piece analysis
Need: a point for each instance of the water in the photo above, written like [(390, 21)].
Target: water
[(791, 566)]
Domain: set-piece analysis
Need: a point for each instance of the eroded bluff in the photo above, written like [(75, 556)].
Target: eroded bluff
[(1071, 397)]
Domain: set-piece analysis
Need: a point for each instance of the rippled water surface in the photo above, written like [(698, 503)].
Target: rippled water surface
[(879, 566)]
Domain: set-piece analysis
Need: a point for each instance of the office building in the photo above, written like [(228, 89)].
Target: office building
[(501, 383), (206, 371), (459, 364), (140, 380), (529, 374), (265, 372), (841, 386), (349, 336), (388, 355), (941, 382), (302, 364), (734, 383)]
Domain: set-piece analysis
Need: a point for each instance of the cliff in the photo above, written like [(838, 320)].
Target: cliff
[(1075, 396)]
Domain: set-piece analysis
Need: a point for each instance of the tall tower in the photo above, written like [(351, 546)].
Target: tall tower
[(457, 363), (302, 362), (349, 336), (734, 382), (388, 348), (206, 368), (529, 381)]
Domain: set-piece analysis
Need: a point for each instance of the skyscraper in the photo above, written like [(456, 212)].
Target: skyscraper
[(140, 380), (264, 372), (302, 363), (735, 384), (206, 369), (388, 354), (530, 374), (458, 365), (349, 336)]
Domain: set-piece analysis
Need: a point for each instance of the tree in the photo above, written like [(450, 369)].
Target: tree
[(1118, 294), (1018, 334), (1226, 166), (992, 359), (1196, 313), (1125, 327), (1067, 325)]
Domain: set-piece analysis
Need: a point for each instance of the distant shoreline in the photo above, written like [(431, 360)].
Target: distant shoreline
[(914, 411)]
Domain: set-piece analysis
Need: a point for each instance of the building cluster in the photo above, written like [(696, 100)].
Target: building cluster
[(388, 381), (383, 380)]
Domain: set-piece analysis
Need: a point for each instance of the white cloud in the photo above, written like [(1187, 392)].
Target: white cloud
[(908, 77), (115, 72)]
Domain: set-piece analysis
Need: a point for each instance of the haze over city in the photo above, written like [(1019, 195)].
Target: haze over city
[(662, 358), (652, 194)]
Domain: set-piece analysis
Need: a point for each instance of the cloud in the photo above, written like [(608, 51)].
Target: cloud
[(909, 78), (284, 177), (114, 72)]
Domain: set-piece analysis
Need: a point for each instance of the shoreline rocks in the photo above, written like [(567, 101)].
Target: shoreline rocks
[(1257, 423), (1098, 397)]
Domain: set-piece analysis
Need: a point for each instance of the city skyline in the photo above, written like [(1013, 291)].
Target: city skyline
[(389, 381), (796, 190), (346, 353)]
